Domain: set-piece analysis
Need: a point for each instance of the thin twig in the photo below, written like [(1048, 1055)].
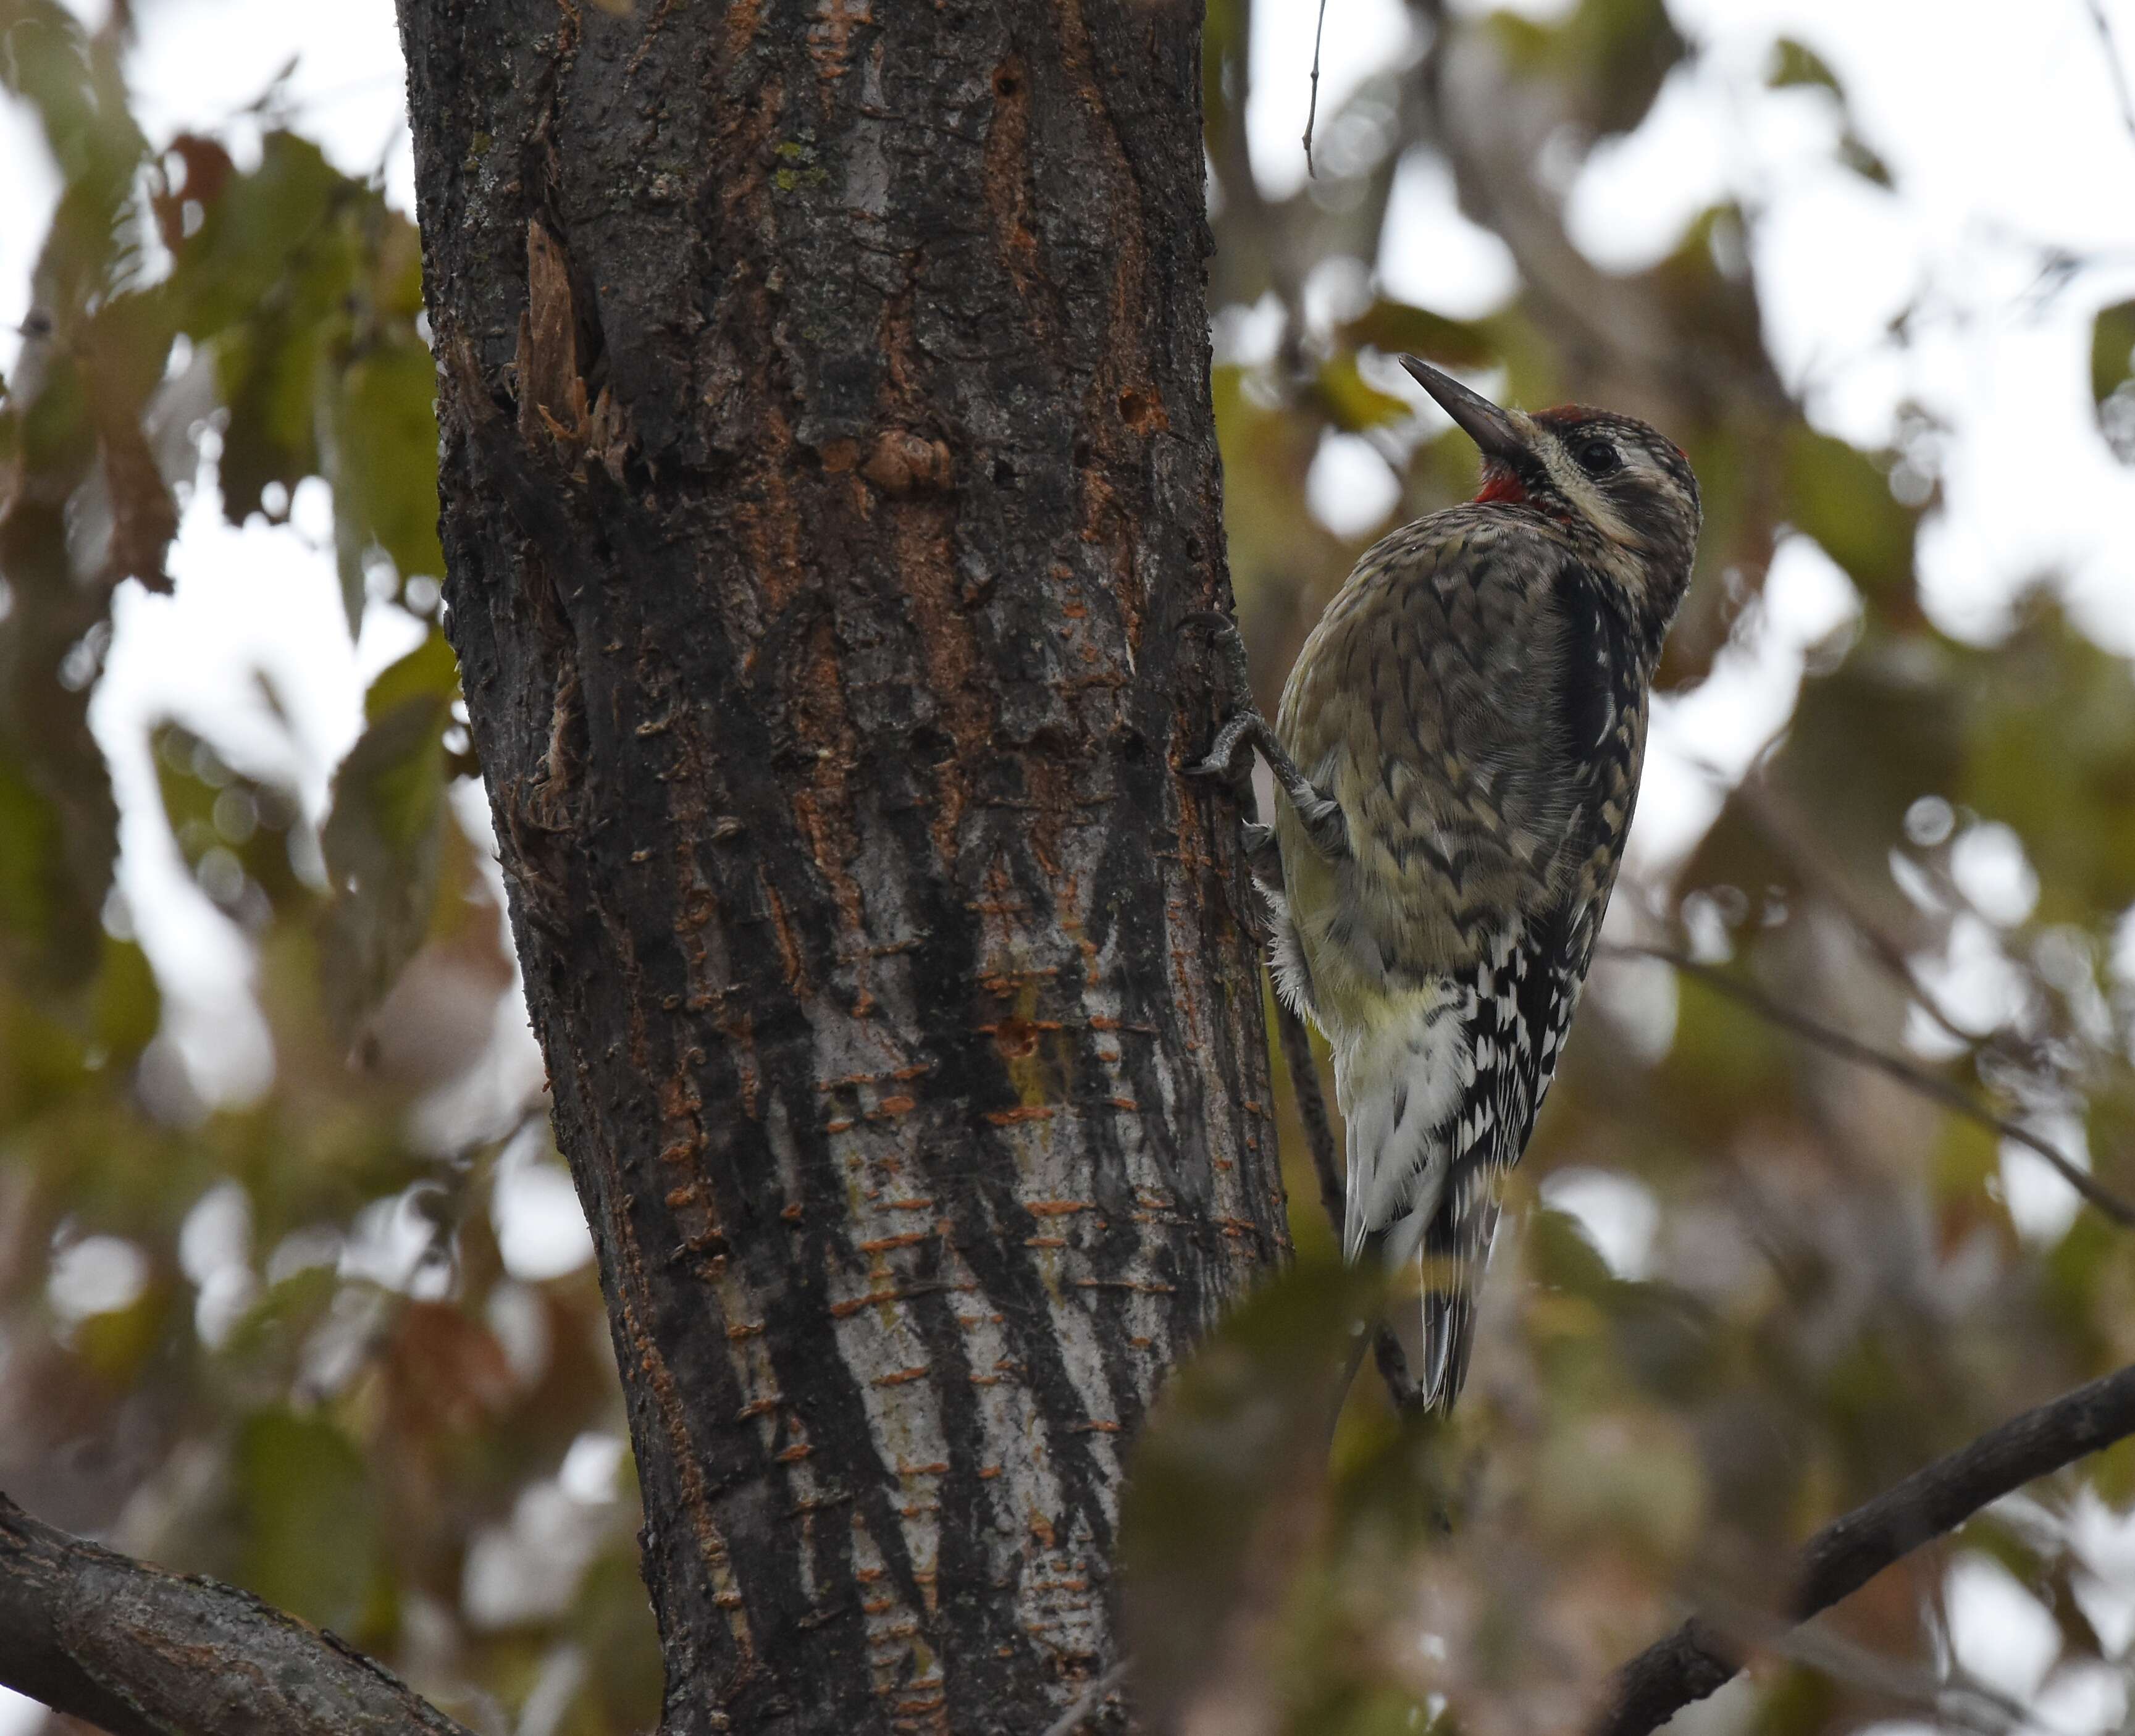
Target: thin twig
[(1969, 1704), (1088, 1700), (1311, 1102), (1698, 1659), (1770, 814), (1312, 108), (2113, 66), (1894, 1066)]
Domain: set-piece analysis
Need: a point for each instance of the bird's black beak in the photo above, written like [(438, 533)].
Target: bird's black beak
[(1476, 416)]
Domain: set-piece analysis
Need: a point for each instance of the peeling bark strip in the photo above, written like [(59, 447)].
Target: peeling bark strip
[(139, 1651), (827, 452)]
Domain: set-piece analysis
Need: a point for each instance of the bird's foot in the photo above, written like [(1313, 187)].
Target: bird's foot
[(1246, 729)]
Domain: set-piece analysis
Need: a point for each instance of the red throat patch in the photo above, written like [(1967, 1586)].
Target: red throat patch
[(1500, 483)]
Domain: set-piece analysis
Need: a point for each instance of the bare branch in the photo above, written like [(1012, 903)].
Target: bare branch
[(1774, 818), (1311, 1109), (1696, 1659), (1895, 1066), (2114, 71), (1312, 108), (143, 1652)]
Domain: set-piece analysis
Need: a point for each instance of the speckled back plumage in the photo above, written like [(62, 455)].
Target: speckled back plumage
[(1475, 699)]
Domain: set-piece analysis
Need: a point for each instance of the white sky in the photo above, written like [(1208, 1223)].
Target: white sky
[(1999, 122)]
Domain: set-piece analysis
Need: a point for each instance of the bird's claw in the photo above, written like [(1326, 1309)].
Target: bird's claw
[(1325, 827), (1240, 730)]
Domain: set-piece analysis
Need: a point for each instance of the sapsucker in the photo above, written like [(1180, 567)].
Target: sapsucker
[(1458, 751)]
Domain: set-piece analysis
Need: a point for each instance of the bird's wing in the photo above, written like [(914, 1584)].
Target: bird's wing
[(1525, 994)]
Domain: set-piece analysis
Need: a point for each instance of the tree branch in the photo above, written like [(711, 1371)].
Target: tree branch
[(2102, 25), (1895, 1066), (143, 1652), (1311, 1108), (1696, 1659), (1773, 817)]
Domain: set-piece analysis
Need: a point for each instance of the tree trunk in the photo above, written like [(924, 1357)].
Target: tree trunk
[(827, 461)]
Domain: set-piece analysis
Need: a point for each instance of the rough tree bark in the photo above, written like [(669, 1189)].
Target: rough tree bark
[(139, 1651), (827, 459)]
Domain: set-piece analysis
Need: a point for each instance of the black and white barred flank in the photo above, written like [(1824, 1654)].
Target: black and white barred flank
[(1437, 1119)]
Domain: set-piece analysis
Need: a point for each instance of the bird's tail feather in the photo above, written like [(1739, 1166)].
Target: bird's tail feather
[(1456, 1246)]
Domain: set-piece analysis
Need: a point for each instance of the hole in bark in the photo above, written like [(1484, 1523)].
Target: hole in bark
[(1005, 83), (1081, 453), (1140, 412), (1016, 1037), (1004, 473)]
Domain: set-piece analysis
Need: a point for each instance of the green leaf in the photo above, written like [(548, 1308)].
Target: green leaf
[(219, 816), (1859, 156), (307, 289), (2112, 1474), (29, 856), (381, 458), (268, 375), (2050, 736), (2112, 377), (429, 672), (1353, 402), (1836, 494), (1395, 327), (267, 242), (126, 1007), (267, 284), (1227, 1490), (58, 836), (384, 844), (117, 1343), (310, 1519), (1795, 63), (2112, 350), (613, 1624), (268, 1337), (1610, 56)]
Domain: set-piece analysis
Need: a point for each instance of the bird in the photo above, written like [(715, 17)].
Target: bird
[(1456, 758)]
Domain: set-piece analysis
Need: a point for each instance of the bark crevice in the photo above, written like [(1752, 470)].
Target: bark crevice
[(826, 439)]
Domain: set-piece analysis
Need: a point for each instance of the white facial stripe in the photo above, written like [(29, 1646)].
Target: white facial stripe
[(1578, 488)]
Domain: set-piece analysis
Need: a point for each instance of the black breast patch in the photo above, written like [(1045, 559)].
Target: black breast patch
[(1599, 673)]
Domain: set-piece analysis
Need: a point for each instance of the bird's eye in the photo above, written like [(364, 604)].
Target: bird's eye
[(1597, 457)]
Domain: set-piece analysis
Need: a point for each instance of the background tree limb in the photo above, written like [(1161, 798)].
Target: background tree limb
[(143, 1652), (1894, 1066), (1697, 1658)]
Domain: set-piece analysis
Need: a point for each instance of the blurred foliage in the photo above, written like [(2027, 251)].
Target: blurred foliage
[(274, 1336), (1817, 1280), (2112, 377)]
